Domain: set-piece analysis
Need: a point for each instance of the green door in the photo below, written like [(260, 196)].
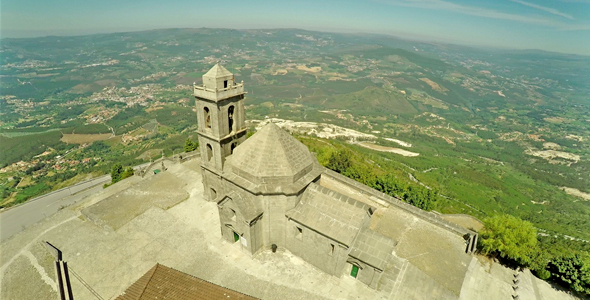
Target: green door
[(236, 237), (355, 271)]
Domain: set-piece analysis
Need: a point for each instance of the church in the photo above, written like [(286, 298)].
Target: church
[(271, 193)]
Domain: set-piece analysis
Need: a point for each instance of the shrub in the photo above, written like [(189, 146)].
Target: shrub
[(509, 237)]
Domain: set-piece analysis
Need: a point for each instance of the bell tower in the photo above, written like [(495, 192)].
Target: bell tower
[(221, 124)]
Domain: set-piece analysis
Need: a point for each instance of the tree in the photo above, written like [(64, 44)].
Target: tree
[(189, 145), (421, 197), (128, 173), (573, 271), (339, 161), (116, 171), (539, 261), (510, 238)]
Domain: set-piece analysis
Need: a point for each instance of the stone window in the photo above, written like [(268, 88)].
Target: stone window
[(207, 116), (225, 84), (331, 249), (299, 232), (213, 194), (209, 152), (230, 118), (232, 214)]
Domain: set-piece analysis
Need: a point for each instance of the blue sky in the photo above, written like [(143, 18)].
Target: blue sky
[(552, 25)]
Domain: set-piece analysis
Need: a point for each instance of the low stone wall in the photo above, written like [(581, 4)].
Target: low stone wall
[(183, 157), (464, 220), (177, 158), (427, 216)]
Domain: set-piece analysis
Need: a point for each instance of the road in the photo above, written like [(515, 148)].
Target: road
[(14, 220)]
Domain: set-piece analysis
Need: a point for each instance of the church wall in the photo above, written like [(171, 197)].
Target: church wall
[(231, 220), (213, 114), (275, 208), (256, 238), (238, 115), (275, 212), (211, 153), (213, 188), (366, 273), (218, 113), (237, 139), (318, 250)]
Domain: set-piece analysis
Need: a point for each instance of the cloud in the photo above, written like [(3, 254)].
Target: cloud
[(471, 10), (545, 9)]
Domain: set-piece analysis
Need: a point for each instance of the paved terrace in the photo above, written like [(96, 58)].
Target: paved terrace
[(166, 220)]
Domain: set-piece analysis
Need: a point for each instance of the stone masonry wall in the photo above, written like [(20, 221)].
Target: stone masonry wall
[(316, 249)]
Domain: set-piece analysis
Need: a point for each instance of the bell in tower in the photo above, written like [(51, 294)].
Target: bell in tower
[(221, 124)]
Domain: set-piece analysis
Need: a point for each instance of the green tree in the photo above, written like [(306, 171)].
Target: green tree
[(539, 261), (128, 173), (421, 197), (116, 171), (573, 271), (189, 145), (340, 161), (510, 238)]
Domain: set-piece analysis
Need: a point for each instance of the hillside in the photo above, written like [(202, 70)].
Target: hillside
[(497, 131)]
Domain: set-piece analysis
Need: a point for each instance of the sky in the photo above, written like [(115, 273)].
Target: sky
[(551, 25)]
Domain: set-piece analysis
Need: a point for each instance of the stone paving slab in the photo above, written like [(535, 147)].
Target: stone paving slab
[(419, 285), (19, 273), (436, 252), (163, 190)]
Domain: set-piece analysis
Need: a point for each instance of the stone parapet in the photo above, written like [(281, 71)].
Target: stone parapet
[(218, 94)]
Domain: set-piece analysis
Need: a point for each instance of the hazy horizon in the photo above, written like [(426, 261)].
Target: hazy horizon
[(420, 39), (550, 25)]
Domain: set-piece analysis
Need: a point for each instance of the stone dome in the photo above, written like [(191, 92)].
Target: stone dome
[(270, 156)]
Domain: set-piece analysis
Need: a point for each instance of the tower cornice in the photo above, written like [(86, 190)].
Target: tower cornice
[(232, 135), (218, 94)]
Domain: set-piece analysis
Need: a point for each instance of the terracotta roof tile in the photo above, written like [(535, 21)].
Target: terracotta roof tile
[(162, 283)]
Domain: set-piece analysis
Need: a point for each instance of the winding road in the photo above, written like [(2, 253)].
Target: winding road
[(13, 220)]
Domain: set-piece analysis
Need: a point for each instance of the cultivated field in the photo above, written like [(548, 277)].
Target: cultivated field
[(75, 138)]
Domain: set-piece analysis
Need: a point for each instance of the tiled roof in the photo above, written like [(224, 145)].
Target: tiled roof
[(271, 155), (162, 283), (329, 213), (372, 248)]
